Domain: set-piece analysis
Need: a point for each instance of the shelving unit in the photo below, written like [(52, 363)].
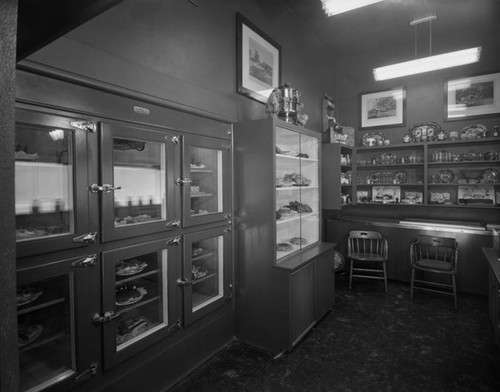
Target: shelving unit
[(463, 173), (337, 175)]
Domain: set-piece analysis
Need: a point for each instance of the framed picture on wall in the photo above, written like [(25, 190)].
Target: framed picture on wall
[(472, 97), (258, 61), (383, 108)]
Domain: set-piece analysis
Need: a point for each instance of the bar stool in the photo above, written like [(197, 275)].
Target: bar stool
[(368, 249)]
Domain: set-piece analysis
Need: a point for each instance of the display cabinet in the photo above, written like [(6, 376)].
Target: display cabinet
[(205, 279), (51, 204), (206, 183), (50, 332), (337, 177), (137, 192), (278, 216), (139, 297)]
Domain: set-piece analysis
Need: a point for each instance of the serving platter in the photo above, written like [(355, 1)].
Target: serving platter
[(371, 139), (473, 131), (445, 176), (490, 176), (424, 131)]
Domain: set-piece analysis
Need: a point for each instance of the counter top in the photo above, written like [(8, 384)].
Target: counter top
[(303, 258), (493, 260)]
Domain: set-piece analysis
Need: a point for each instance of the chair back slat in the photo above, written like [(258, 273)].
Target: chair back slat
[(367, 243), (436, 248)]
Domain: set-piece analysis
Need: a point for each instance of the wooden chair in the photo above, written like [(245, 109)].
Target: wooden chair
[(434, 255), (368, 250)]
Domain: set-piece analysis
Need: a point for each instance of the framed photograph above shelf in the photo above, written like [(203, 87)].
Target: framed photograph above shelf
[(382, 108)]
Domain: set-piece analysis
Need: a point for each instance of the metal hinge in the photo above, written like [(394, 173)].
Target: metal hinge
[(172, 139), (85, 262), (91, 371), (174, 241), (87, 238), (90, 126), (229, 295), (226, 147), (184, 282), (105, 318), (173, 224), (175, 327)]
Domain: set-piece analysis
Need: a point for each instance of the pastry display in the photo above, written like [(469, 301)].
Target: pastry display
[(130, 328), (129, 220), (284, 246), (296, 179), (128, 295), (198, 212), (195, 189), (27, 294), (299, 207), (196, 164), (298, 241), (22, 234), (23, 156), (197, 272), (129, 267), (28, 333)]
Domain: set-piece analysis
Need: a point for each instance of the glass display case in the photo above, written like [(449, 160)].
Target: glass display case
[(206, 183), (138, 297), (205, 254), (297, 191), (51, 210), (337, 175), (48, 328), (137, 190)]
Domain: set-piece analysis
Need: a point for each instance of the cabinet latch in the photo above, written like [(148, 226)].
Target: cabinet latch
[(226, 147), (88, 238), (90, 126), (174, 327), (174, 241), (85, 262), (182, 181), (173, 224), (105, 318), (87, 373), (104, 188), (184, 282)]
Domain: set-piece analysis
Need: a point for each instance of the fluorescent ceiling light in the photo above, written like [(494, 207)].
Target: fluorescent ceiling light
[(430, 63), (334, 7)]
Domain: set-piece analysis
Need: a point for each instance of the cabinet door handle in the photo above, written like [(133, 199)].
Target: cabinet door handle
[(88, 238), (104, 318), (173, 224), (88, 261), (174, 241), (104, 188), (184, 282), (182, 181)]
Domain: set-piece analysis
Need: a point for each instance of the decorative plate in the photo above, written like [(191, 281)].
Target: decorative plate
[(490, 156), (490, 175), (371, 139), (424, 131), (129, 267), (388, 158), (27, 295), (445, 176), (474, 131), (401, 177), (373, 178)]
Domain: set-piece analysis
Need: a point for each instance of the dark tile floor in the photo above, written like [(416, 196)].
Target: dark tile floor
[(370, 342)]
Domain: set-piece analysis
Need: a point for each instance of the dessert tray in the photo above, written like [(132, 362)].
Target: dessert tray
[(129, 267), (127, 295), (27, 295)]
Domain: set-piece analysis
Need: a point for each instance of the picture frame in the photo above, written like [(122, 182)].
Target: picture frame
[(472, 97), (383, 109), (258, 61)]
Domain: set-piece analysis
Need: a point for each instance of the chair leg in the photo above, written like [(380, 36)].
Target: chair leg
[(385, 277), (412, 282), (350, 275), (454, 282)]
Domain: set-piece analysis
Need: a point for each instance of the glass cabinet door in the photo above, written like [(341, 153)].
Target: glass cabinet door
[(48, 329), (138, 297), (206, 184), (297, 191), (50, 182), (205, 255), (137, 192)]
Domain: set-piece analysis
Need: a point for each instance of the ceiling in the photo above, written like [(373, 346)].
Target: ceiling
[(386, 26)]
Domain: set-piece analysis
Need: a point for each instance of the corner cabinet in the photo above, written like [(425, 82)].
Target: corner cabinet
[(284, 273), (337, 178)]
